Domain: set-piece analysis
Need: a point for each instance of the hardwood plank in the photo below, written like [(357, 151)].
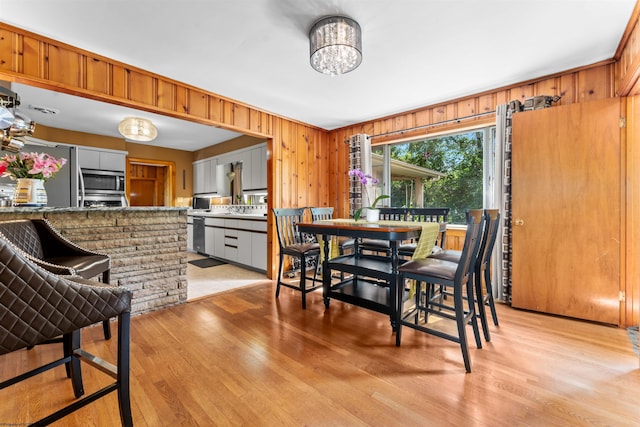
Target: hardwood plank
[(244, 358)]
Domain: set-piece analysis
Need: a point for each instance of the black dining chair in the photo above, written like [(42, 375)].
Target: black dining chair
[(325, 213), (455, 276), (292, 243), (482, 270)]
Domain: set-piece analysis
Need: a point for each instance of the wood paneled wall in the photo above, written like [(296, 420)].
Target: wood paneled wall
[(297, 178), (307, 165)]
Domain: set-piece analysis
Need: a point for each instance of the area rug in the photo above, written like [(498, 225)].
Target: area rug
[(206, 262), (632, 331)]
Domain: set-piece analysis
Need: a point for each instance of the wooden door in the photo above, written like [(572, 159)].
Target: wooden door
[(566, 210)]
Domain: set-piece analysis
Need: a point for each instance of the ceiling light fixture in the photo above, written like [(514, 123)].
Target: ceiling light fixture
[(336, 45), (137, 129)]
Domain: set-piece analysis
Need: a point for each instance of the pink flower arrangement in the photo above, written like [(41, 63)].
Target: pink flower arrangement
[(30, 165)]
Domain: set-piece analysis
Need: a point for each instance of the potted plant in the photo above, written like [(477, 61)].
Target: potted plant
[(30, 171), (368, 183)]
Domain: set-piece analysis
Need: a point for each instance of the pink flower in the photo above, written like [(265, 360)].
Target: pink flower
[(30, 165)]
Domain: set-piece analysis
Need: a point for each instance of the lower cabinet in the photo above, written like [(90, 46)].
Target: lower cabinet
[(237, 241)]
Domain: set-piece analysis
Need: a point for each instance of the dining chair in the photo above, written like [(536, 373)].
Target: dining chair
[(293, 244), (326, 213), (440, 215), (44, 245), (456, 276), (482, 270)]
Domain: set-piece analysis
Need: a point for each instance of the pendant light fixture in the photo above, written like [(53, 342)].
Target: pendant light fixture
[(336, 45), (138, 129)]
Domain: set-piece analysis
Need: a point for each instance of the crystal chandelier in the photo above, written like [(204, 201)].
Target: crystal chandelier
[(336, 45)]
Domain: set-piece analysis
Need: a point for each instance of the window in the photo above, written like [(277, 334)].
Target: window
[(446, 171)]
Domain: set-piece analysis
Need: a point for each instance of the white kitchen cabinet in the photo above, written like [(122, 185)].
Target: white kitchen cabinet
[(190, 234), (111, 160), (259, 251), (204, 176), (257, 176), (244, 247), (218, 244), (209, 240)]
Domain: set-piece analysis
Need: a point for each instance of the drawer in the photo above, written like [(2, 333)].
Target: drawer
[(231, 223), (231, 242), (259, 226), (228, 232), (214, 222)]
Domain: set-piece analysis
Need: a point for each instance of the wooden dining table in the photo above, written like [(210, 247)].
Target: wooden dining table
[(370, 281)]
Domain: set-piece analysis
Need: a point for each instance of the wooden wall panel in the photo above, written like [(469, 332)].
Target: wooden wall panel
[(166, 98), (628, 57), (30, 56), (68, 68), (97, 76), (8, 50)]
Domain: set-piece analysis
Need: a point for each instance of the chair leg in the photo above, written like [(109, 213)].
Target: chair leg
[(70, 343), (279, 274), (124, 393), (106, 327), (481, 309), (489, 287), (303, 281), (462, 329)]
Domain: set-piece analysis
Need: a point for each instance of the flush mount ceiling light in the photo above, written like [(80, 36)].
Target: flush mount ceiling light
[(336, 45), (137, 129)]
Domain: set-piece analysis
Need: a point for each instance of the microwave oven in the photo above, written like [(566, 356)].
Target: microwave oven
[(201, 203), (99, 181)]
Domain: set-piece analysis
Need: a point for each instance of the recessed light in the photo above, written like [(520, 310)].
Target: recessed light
[(44, 110)]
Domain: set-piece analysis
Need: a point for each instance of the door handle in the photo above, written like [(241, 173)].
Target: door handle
[(518, 221)]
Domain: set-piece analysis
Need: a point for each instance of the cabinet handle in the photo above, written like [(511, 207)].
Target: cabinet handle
[(519, 222)]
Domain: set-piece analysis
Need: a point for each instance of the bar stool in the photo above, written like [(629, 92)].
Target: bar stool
[(456, 276), (294, 245)]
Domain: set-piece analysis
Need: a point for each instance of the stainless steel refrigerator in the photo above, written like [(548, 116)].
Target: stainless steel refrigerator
[(62, 189)]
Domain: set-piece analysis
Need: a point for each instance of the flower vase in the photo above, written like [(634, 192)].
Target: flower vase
[(373, 215), (30, 192)]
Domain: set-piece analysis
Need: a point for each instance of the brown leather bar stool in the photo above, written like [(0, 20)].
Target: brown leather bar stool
[(40, 242), (39, 306)]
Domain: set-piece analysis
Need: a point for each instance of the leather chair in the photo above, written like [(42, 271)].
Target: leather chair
[(37, 306), (455, 276), (41, 243), (293, 244), (484, 297)]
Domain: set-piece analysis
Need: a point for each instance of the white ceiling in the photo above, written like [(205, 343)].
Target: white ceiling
[(415, 52)]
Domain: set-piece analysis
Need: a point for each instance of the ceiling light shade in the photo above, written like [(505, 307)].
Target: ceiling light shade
[(137, 129), (336, 45)]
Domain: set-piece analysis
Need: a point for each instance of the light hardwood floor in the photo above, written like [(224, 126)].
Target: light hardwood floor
[(244, 358)]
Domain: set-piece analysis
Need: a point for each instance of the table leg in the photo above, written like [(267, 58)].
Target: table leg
[(394, 285), (326, 274)]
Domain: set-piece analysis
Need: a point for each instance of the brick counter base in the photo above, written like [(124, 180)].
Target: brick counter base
[(147, 247)]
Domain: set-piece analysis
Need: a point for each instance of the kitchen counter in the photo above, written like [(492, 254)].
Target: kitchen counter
[(258, 217), (147, 246)]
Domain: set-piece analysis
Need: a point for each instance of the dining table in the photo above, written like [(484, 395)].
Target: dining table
[(367, 280)]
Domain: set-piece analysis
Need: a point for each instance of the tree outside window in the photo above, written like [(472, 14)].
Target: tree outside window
[(438, 172)]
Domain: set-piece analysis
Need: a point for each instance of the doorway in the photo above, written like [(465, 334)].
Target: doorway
[(150, 182)]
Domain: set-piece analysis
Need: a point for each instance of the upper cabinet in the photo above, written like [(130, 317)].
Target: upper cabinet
[(254, 171), (204, 176), (255, 177), (99, 159)]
